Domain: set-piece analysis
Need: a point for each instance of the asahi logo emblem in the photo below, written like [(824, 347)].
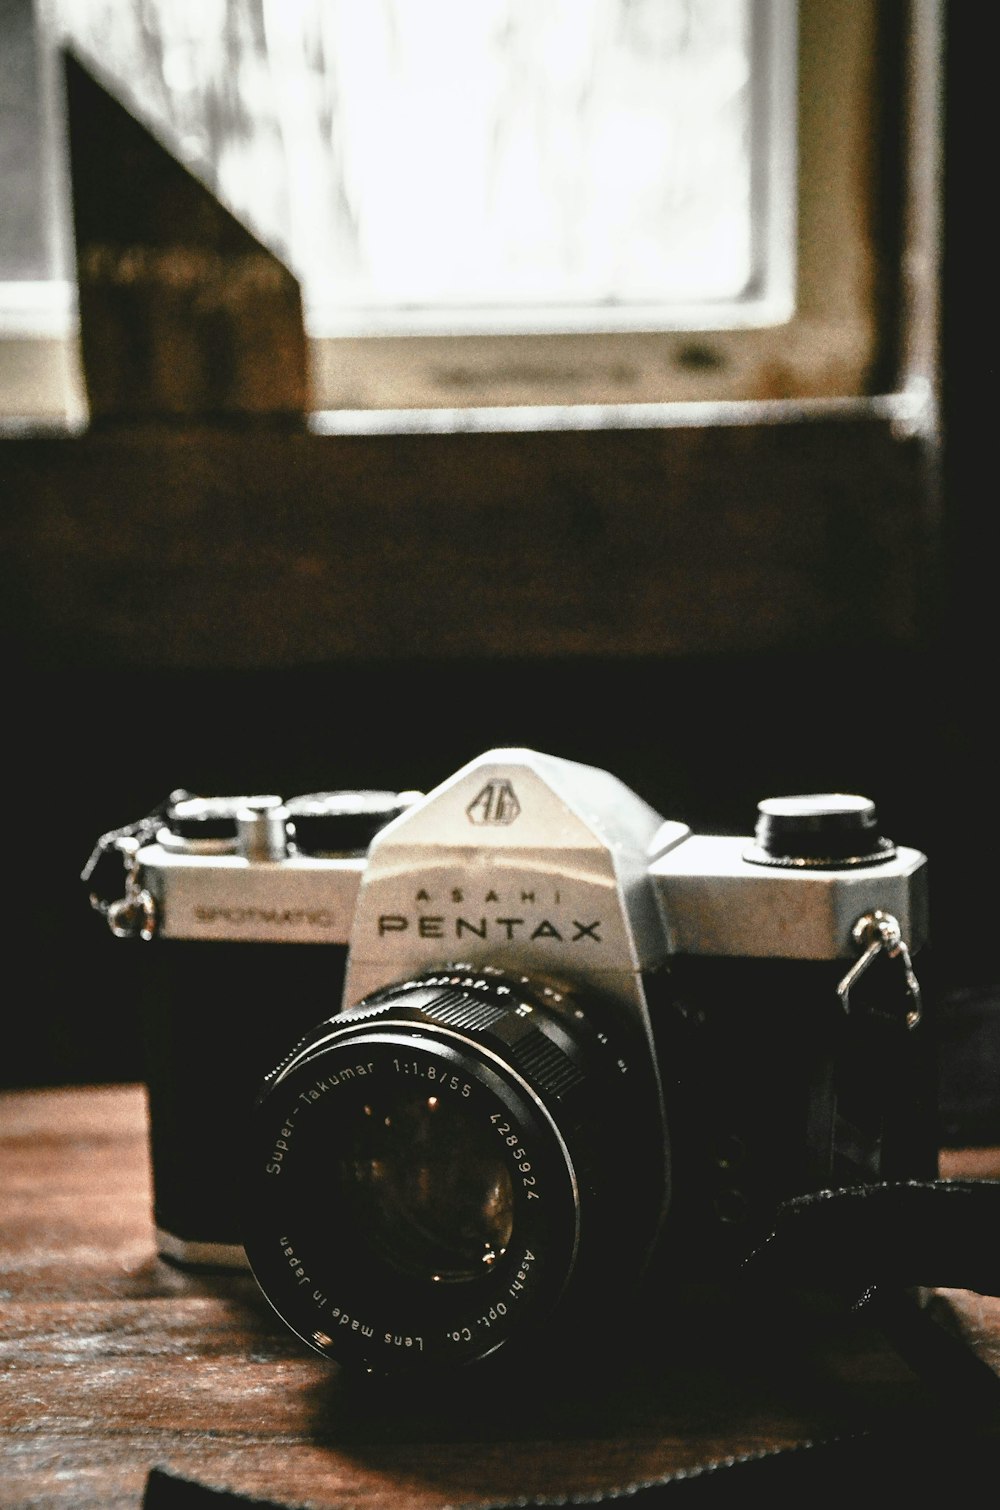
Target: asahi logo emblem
[(496, 803)]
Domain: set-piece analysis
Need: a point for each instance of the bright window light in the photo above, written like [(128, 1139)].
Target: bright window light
[(507, 165)]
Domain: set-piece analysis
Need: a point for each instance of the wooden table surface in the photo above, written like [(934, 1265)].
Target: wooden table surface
[(113, 1363)]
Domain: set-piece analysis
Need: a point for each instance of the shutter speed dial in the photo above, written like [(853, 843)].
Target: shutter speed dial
[(343, 822), (819, 830)]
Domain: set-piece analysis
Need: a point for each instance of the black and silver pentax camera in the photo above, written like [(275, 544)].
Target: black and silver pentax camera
[(442, 1066)]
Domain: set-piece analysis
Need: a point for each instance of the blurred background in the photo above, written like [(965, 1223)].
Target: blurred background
[(381, 384)]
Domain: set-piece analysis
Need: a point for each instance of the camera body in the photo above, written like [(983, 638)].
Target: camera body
[(531, 1039)]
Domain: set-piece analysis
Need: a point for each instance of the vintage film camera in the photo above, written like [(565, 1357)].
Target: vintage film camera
[(444, 1068)]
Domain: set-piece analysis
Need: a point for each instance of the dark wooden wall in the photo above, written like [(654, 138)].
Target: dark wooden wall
[(231, 610), (246, 548)]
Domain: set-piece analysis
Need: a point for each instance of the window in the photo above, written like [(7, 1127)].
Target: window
[(802, 522), (486, 171)]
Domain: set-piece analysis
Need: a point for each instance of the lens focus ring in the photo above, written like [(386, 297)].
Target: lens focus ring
[(491, 1007)]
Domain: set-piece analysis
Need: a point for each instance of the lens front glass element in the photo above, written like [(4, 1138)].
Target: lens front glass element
[(423, 1186)]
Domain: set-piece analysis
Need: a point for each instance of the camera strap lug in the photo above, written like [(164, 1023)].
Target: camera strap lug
[(878, 934), (134, 914)]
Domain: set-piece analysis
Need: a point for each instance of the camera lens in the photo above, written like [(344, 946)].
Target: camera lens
[(436, 1172)]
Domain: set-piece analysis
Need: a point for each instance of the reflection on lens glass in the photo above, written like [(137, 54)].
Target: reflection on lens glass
[(425, 1187)]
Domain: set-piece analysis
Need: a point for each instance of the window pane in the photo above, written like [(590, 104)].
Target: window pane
[(520, 162)]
